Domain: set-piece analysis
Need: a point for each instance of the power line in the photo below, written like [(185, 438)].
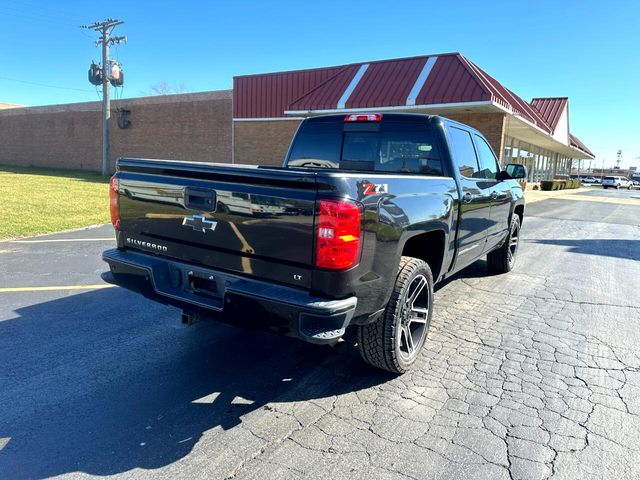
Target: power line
[(27, 82), (32, 16), (35, 7)]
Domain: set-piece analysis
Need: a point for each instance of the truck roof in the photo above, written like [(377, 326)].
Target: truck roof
[(397, 116)]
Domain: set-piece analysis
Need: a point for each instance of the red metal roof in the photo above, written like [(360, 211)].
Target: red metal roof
[(550, 108), (575, 142), (267, 95), (386, 83), (453, 79), (327, 94), (510, 100), (439, 79)]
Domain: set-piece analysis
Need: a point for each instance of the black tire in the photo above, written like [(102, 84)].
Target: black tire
[(384, 343), (604, 187), (503, 259)]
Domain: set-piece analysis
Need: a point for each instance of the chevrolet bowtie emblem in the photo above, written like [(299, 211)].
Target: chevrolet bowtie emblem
[(199, 223)]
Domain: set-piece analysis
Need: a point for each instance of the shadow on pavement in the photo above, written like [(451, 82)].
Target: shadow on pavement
[(628, 249), (105, 382)]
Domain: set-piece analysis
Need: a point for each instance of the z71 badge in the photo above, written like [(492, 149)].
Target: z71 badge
[(373, 188)]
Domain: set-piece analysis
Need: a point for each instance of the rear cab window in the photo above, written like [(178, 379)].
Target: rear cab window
[(394, 145)]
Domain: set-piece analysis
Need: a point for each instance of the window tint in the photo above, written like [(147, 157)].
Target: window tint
[(463, 152), (399, 146), (317, 144), (486, 159)]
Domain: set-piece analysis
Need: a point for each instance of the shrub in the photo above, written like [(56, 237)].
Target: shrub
[(559, 184)]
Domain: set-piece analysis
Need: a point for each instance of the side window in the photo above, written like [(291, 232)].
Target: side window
[(487, 160), (463, 152)]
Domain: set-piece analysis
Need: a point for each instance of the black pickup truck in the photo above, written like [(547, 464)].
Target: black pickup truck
[(368, 211)]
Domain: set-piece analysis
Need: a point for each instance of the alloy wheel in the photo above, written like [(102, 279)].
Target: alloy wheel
[(413, 318), (513, 244)]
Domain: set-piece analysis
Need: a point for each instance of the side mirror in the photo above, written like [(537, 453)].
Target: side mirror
[(515, 171)]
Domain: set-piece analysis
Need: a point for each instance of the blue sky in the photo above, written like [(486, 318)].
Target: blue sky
[(586, 50)]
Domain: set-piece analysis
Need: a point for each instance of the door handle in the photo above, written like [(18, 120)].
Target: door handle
[(494, 195), (200, 199), (467, 197)]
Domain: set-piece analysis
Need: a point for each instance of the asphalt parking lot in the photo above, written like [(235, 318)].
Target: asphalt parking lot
[(531, 375)]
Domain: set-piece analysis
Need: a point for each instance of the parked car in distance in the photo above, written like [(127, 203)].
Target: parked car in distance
[(589, 180), (616, 182), (366, 214)]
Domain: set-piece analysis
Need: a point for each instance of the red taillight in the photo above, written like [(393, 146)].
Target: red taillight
[(371, 117), (114, 207), (338, 234)]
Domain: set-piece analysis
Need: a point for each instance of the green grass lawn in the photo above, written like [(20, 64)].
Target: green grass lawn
[(39, 200)]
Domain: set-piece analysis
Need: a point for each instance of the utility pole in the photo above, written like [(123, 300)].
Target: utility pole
[(105, 28)]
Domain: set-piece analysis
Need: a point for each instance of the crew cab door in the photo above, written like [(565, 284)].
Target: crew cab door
[(500, 193), (475, 205)]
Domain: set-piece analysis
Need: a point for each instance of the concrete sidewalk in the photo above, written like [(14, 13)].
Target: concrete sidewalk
[(588, 194), (539, 195)]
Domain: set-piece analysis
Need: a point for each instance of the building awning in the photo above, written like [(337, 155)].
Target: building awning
[(576, 143)]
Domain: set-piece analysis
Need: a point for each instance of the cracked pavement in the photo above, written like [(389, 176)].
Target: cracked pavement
[(529, 375)]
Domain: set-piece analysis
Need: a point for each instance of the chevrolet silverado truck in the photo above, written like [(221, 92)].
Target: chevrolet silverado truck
[(366, 214)]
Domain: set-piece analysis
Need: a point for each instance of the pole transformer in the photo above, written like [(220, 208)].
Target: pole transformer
[(104, 29)]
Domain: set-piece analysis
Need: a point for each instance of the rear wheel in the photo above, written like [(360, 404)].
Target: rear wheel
[(503, 259), (394, 341)]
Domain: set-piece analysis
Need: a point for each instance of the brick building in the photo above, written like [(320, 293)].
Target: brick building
[(255, 121), (194, 126)]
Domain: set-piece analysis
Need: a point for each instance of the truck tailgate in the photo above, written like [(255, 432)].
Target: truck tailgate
[(244, 219)]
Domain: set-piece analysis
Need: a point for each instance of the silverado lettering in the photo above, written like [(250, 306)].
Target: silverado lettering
[(141, 243)]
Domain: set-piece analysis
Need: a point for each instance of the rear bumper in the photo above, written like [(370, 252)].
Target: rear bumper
[(231, 298)]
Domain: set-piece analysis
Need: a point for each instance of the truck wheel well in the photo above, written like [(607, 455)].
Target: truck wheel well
[(428, 247), (519, 210)]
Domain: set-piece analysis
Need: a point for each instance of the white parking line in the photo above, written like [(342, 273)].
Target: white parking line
[(65, 240), (54, 288)]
